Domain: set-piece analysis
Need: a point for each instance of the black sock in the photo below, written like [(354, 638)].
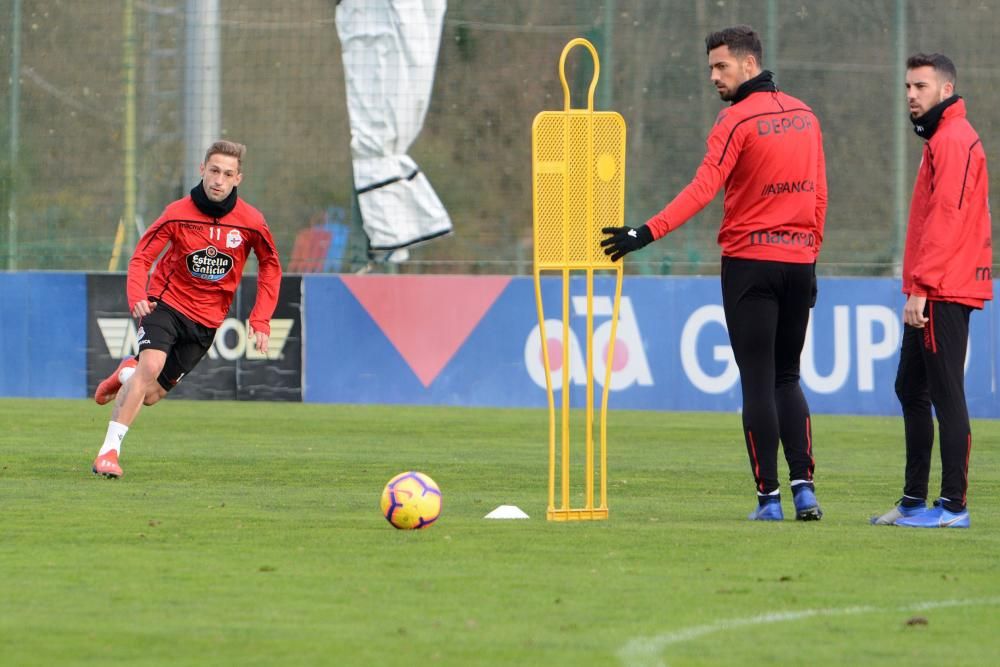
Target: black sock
[(952, 506)]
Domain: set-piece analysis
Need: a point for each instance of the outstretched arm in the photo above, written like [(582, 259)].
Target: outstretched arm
[(722, 149)]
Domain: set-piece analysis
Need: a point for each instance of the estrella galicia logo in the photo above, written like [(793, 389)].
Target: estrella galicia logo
[(209, 264)]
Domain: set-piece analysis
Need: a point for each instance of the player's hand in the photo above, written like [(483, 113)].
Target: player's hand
[(623, 240), (913, 311), (142, 308), (260, 341)]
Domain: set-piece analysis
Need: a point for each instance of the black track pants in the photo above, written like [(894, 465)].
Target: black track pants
[(932, 372), (767, 311)]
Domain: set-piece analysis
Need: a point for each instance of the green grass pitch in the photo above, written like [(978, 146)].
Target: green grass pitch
[(250, 534)]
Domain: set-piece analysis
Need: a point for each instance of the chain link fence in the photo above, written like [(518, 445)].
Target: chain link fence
[(94, 94)]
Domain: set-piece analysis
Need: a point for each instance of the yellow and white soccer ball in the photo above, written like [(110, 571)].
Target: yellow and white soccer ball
[(411, 500)]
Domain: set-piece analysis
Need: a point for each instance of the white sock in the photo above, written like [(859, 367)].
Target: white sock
[(776, 492), (113, 440), (125, 374)]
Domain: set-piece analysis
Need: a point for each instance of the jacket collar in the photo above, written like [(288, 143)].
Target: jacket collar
[(763, 82), (211, 208), (925, 126)]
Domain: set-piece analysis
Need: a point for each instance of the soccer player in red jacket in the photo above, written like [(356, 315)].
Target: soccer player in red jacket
[(766, 149), (947, 273), (208, 237)]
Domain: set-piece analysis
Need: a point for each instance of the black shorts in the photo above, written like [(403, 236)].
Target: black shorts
[(184, 340)]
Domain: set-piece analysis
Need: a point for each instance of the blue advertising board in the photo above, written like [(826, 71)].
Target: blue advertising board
[(43, 335), (475, 341)]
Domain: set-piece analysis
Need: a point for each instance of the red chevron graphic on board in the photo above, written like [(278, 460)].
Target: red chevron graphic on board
[(426, 318)]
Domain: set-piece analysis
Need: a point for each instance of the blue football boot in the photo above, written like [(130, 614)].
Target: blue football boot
[(806, 505), (768, 509), (936, 517)]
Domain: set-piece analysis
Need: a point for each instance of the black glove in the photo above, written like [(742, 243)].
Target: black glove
[(623, 240)]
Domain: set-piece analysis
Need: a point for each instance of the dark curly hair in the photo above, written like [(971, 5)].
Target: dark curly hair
[(742, 40)]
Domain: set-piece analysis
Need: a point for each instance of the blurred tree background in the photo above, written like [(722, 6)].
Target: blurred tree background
[(64, 99)]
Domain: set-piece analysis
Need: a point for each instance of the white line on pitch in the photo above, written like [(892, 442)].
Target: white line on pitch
[(648, 651)]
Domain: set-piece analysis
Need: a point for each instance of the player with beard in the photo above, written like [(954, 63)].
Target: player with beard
[(947, 273), (766, 150)]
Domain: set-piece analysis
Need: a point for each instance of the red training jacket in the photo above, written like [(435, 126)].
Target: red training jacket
[(767, 150), (201, 270), (949, 253)]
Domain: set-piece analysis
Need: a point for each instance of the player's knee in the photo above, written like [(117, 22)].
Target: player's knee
[(786, 380), (151, 363), (900, 388), (910, 396)]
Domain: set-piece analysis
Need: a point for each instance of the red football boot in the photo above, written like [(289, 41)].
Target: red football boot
[(107, 390), (107, 465)]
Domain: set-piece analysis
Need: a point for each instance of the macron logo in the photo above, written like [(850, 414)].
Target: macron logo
[(632, 233)]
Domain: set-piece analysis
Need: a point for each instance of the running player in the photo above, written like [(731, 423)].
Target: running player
[(210, 235)]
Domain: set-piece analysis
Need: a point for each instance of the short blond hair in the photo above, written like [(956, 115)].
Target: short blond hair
[(230, 148)]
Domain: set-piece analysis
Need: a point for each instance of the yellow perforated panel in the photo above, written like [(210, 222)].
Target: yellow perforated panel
[(578, 168)]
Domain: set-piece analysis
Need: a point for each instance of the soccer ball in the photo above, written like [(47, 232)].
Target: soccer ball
[(411, 500)]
